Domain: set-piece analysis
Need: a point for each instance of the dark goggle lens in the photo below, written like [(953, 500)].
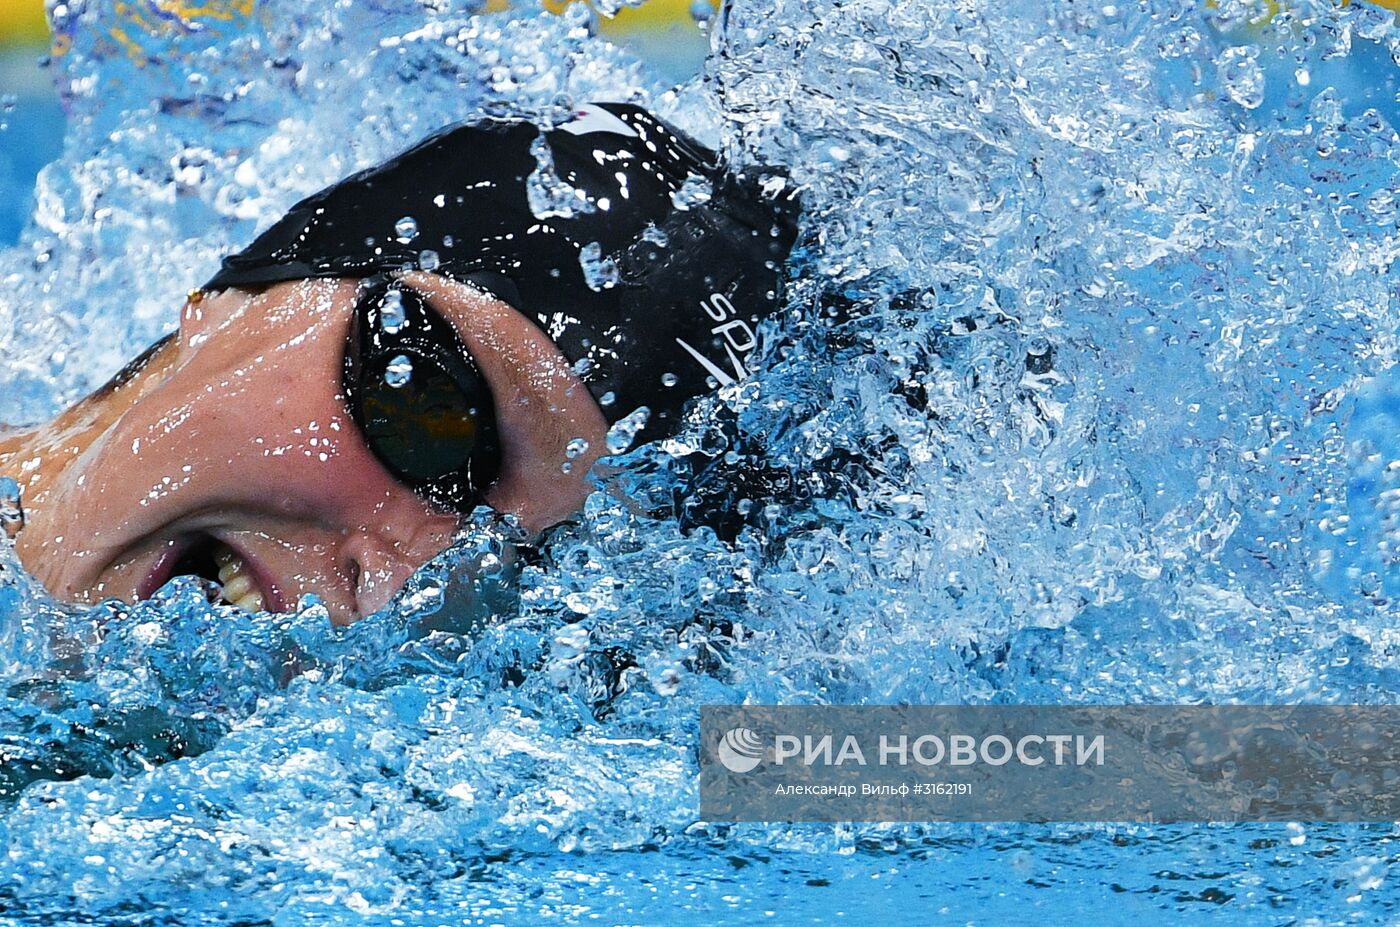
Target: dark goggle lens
[(424, 409), (427, 428)]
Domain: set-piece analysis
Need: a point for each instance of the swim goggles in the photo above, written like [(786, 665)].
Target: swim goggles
[(418, 398)]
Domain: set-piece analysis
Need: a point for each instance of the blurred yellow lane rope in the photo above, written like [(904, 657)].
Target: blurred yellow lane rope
[(22, 21)]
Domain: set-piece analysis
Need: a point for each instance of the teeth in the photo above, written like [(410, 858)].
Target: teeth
[(239, 588), (252, 602)]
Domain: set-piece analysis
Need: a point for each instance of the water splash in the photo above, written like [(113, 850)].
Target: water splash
[(1084, 393)]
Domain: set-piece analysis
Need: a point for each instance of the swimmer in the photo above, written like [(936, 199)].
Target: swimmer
[(458, 326)]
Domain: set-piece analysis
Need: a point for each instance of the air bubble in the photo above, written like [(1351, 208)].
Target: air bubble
[(406, 229), (428, 260), (669, 379), (576, 448)]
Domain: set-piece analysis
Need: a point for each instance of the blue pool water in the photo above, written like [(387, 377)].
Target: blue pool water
[(31, 134), (1133, 441)]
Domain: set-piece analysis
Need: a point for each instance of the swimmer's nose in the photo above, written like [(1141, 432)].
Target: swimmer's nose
[(378, 566)]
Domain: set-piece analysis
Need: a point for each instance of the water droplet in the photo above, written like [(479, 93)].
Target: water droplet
[(426, 599), (581, 603), (406, 229), (11, 511), (572, 641), (548, 194), (701, 11), (669, 379), (391, 312), (668, 681), (428, 260), (1382, 205), (399, 371), (607, 399), (1242, 76), (1373, 22), (696, 191), (624, 431), (599, 272), (576, 448)]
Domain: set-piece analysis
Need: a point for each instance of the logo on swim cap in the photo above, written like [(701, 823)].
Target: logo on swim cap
[(740, 750), (589, 118), (736, 346)]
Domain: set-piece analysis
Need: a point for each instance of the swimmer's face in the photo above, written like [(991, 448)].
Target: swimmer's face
[(234, 446)]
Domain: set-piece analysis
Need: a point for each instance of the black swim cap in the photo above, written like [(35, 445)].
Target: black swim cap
[(646, 262)]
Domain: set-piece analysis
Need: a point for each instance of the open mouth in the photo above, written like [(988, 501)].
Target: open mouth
[(235, 575)]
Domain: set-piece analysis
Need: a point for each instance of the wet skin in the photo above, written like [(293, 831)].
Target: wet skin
[(236, 433)]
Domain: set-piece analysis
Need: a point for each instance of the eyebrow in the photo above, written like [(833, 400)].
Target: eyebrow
[(131, 370)]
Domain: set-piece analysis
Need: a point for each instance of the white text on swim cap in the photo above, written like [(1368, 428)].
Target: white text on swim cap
[(719, 308)]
